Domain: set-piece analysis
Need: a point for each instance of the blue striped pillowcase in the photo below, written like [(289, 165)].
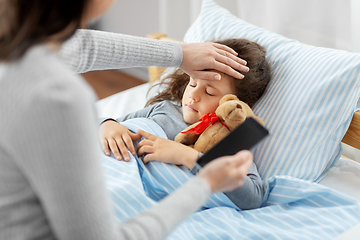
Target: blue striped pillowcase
[(310, 100)]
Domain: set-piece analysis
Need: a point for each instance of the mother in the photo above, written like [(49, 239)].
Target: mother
[(51, 179)]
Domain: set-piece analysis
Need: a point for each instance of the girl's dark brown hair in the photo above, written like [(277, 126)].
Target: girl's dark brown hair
[(24, 23), (249, 89)]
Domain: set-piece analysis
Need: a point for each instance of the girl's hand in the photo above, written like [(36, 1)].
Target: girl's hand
[(227, 173), (201, 56), (165, 150), (117, 138)]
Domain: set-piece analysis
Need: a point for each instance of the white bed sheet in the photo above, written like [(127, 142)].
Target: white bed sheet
[(343, 177), (124, 102)]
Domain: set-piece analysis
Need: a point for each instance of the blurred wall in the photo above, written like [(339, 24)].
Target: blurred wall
[(134, 17), (325, 23)]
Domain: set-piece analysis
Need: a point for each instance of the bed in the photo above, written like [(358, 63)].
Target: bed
[(310, 106)]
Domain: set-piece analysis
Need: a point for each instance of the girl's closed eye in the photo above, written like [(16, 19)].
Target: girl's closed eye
[(212, 91), (209, 93)]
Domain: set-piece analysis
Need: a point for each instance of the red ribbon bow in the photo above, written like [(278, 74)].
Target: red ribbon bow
[(206, 119)]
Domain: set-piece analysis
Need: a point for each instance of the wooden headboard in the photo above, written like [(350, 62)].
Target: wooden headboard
[(352, 136)]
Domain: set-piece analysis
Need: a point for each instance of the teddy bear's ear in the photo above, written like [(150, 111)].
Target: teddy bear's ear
[(227, 97)]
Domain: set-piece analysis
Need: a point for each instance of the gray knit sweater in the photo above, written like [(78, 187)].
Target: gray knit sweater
[(51, 179)]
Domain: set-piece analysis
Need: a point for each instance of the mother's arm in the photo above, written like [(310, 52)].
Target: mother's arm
[(90, 50)]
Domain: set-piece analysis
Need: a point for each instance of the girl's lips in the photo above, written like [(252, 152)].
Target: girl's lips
[(190, 107)]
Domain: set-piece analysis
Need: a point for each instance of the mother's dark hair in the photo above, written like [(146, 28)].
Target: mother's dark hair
[(24, 23)]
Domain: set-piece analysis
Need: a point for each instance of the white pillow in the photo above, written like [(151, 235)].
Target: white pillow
[(309, 102)]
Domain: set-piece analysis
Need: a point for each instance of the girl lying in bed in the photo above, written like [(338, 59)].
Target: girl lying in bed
[(182, 102)]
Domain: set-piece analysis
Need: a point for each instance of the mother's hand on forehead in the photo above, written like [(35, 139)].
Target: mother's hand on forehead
[(203, 56)]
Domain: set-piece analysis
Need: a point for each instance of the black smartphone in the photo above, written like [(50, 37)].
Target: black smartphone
[(243, 137)]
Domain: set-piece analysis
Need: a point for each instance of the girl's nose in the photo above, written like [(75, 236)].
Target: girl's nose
[(193, 99)]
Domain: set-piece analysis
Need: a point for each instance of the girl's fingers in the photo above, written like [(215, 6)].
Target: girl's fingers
[(144, 149), (147, 158), (123, 150), (114, 148), (134, 136), (129, 143), (145, 142), (105, 146), (147, 135)]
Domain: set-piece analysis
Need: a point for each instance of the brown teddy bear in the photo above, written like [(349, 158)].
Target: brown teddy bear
[(213, 127)]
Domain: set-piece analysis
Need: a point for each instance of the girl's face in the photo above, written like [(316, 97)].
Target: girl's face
[(203, 96)]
